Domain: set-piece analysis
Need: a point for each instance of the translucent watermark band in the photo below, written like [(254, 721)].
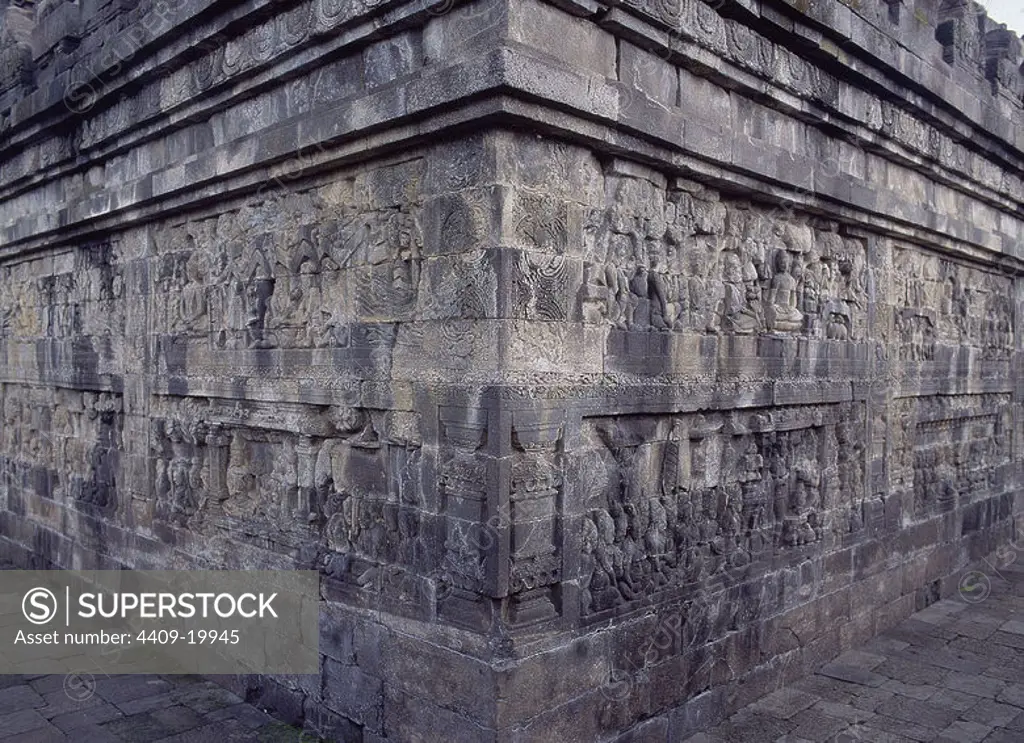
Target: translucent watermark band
[(159, 621)]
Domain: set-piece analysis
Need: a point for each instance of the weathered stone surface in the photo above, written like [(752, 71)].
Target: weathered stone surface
[(610, 364), (844, 711)]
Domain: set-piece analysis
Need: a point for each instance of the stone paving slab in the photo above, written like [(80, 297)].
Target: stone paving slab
[(133, 709), (931, 679), (951, 673)]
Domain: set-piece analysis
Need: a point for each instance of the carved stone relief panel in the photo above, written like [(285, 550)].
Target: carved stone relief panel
[(17, 24), (75, 436), (541, 221), (535, 505), (21, 305), (295, 270), (941, 302), (681, 258), (87, 299), (372, 510), (464, 477), (338, 487), (179, 449), (541, 287), (674, 500), (949, 449), (80, 293)]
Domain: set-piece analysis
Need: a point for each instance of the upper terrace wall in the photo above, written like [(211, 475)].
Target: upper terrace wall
[(536, 327)]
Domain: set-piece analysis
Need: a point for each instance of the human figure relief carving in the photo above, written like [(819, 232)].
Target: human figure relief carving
[(367, 523), (675, 500), (675, 259), (959, 447), (739, 310), (940, 302), (179, 486), (394, 250), (463, 481), (781, 311)]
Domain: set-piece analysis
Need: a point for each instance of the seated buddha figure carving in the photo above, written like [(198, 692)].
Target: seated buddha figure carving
[(781, 311)]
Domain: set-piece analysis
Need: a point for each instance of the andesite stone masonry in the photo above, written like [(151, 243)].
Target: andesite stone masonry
[(613, 363)]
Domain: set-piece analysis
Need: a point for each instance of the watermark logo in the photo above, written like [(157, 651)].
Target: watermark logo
[(974, 587), (79, 687), (39, 605), (159, 621)]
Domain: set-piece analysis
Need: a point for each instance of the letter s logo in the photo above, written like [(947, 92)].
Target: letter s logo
[(39, 605)]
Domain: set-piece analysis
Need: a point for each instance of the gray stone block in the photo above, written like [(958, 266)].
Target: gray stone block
[(354, 694), (610, 365)]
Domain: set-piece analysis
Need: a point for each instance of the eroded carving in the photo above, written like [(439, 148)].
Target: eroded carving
[(946, 449), (675, 500), (681, 259), (940, 302)]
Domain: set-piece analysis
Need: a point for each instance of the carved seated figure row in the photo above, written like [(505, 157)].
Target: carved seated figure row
[(747, 270), (286, 287)]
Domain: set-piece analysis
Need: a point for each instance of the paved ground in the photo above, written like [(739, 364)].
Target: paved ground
[(132, 709), (953, 672)]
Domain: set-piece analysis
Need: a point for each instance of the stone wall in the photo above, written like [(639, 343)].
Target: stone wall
[(614, 364)]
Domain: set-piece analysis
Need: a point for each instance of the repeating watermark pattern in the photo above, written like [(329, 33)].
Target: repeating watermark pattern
[(678, 632), (79, 687), (478, 540), (975, 585), (850, 735), (102, 71), (684, 631)]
